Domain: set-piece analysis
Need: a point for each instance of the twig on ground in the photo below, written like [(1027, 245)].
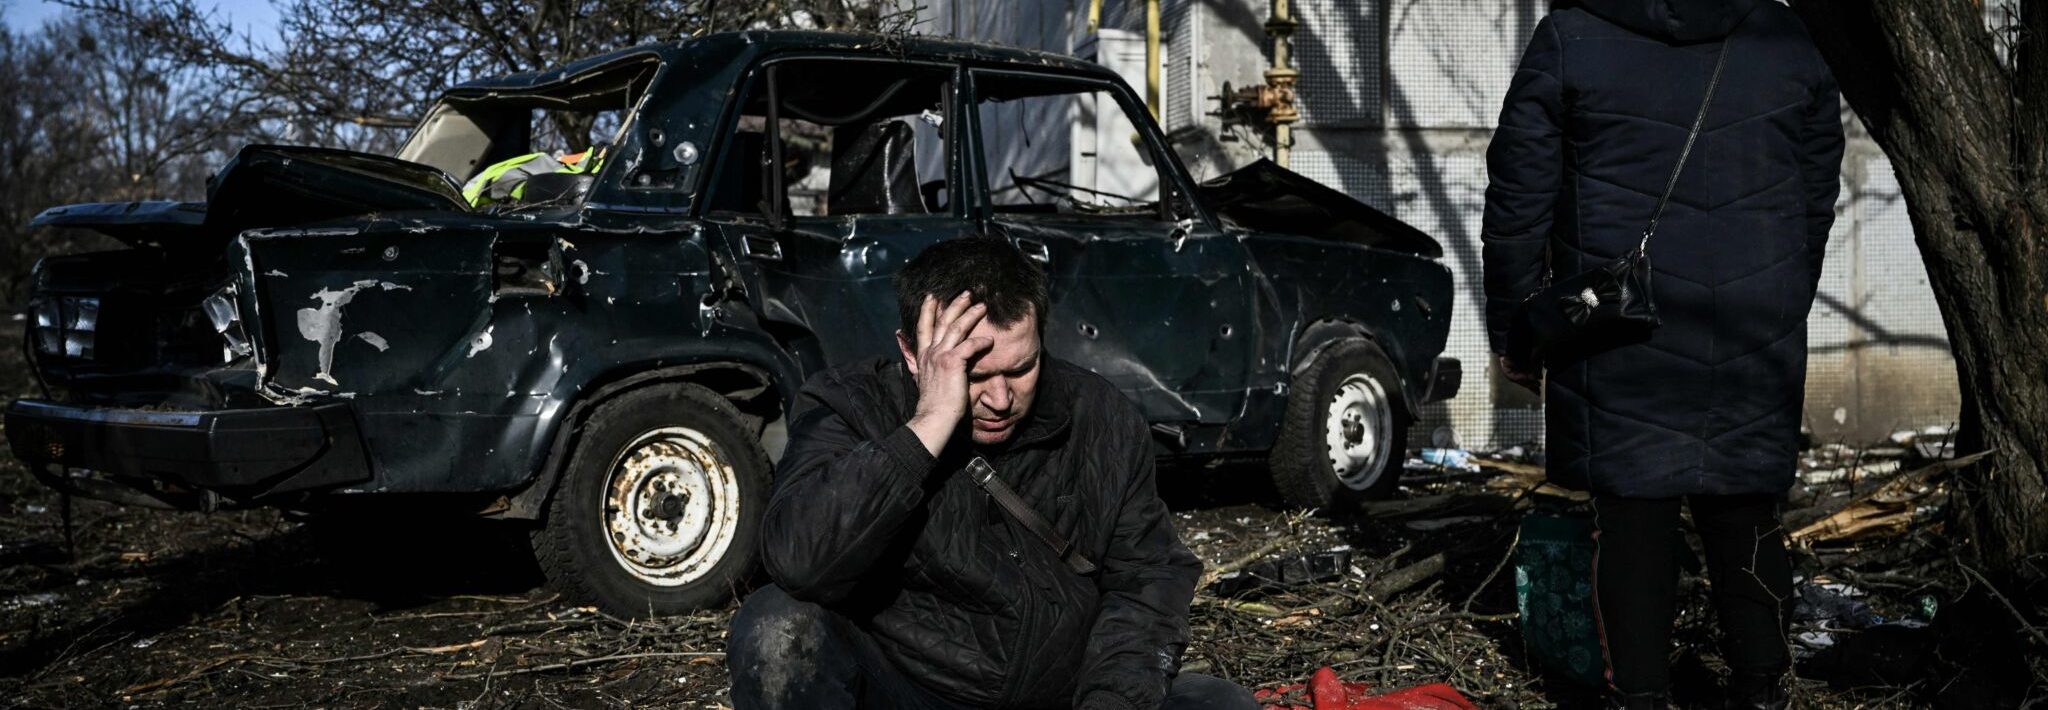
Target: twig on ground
[(1497, 567), (208, 667), (578, 663), (386, 653), (67, 654), (2016, 614), (531, 604), (1254, 608), (1242, 560), (545, 626), (1459, 616), (1400, 580)]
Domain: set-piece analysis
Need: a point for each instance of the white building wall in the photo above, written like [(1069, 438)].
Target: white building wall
[(1398, 100)]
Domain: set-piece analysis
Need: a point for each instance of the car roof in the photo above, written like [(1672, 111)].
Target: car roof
[(726, 47)]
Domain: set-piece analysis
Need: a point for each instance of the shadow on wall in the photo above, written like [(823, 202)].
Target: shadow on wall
[(1873, 333), (1877, 381), (1432, 195), (1461, 234), (1879, 359)]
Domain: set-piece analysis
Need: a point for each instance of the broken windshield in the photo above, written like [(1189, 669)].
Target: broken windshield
[(496, 142)]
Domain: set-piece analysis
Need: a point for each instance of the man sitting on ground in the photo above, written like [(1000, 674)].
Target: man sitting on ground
[(973, 525)]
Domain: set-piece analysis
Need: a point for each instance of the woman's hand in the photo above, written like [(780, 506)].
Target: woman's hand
[(1530, 378)]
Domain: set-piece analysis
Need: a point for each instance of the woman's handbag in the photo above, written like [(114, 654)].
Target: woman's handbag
[(1610, 304)]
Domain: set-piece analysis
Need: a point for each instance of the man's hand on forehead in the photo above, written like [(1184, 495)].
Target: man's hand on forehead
[(943, 354)]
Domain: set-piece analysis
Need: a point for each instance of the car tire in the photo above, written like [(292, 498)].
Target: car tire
[(1344, 435), (658, 509)]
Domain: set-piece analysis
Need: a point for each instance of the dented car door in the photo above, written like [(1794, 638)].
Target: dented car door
[(866, 160), (1129, 255)]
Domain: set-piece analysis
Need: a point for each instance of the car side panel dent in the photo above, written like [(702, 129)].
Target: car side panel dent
[(474, 358), (745, 368), (431, 443), (1400, 302)]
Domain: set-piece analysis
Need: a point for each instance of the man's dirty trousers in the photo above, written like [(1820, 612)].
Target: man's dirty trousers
[(787, 653)]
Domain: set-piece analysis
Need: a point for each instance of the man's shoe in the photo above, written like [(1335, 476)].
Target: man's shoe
[(1638, 701)]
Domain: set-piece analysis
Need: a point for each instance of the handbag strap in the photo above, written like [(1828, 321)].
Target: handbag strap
[(984, 475), (1714, 82)]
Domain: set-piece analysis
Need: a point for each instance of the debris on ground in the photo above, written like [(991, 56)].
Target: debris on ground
[(1325, 691), (1833, 605), (1454, 459), (1279, 573), (1900, 503), (1423, 591)]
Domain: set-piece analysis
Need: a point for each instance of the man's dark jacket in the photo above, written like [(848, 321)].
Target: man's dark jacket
[(866, 522), (1594, 119)]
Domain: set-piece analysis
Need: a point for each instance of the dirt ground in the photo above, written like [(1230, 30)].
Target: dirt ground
[(147, 608), (164, 609)]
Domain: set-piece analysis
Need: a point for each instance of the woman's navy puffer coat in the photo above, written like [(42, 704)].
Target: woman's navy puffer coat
[(1593, 122)]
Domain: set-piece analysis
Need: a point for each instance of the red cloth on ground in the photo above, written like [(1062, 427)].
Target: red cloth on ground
[(1327, 692)]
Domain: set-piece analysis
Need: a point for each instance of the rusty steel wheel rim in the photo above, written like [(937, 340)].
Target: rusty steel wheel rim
[(671, 506), (1358, 429)]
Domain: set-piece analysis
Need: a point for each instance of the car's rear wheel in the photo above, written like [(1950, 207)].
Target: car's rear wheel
[(1345, 433), (658, 508)]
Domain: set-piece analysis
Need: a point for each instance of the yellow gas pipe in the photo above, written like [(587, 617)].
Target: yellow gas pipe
[(1151, 48), (1281, 77), (1152, 57)]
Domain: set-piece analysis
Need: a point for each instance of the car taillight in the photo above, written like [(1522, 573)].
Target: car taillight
[(66, 325), (47, 313), (85, 314), (78, 345)]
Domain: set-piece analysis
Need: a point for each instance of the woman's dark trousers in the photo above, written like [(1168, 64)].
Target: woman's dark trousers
[(1635, 586)]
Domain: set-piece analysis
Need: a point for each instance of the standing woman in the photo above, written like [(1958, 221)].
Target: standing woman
[(1706, 409)]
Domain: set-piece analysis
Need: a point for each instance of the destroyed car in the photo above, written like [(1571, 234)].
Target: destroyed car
[(608, 354)]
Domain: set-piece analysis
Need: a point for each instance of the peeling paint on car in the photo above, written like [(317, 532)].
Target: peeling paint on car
[(291, 397), (322, 324)]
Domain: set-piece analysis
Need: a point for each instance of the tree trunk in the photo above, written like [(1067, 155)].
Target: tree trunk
[(1967, 135)]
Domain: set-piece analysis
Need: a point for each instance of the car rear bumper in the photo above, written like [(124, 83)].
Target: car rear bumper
[(238, 454), (1444, 378)]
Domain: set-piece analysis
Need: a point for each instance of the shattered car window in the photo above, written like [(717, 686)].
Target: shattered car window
[(496, 143), (1092, 160), (856, 138), (568, 131)]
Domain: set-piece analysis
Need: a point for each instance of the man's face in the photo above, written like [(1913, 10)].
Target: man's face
[(1003, 381)]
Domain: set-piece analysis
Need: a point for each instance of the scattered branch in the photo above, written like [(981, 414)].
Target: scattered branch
[(2017, 616), (581, 662)]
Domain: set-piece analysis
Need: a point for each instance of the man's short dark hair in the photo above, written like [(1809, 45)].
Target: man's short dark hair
[(989, 267)]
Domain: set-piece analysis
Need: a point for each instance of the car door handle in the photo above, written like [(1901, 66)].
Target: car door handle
[(1035, 250), (761, 246)]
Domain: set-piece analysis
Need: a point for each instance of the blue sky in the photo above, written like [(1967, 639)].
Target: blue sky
[(256, 16)]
